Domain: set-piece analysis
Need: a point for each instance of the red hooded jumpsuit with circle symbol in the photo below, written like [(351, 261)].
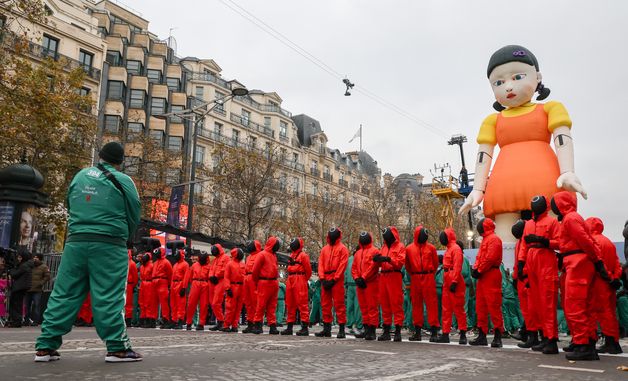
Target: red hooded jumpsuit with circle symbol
[(297, 287), (131, 282), (162, 277), (218, 270), (198, 276), (605, 301), (421, 264), (489, 286), (148, 304), (332, 263), (265, 275), (364, 267), (580, 252), (177, 302), (234, 281), (391, 281), (541, 266), (250, 288), (453, 302)]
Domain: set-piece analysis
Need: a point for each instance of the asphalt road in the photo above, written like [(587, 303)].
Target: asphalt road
[(181, 355)]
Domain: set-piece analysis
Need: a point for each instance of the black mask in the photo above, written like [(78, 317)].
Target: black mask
[(538, 205), (250, 247), (388, 236), (423, 235), (240, 254), (480, 226), (442, 237), (333, 235), (156, 254), (365, 238), (517, 229), (556, 210), (526, 215), (460, 245), (277, 246), (202, 259), (214, 251), (177, 255), (295, 244), (145, 258)]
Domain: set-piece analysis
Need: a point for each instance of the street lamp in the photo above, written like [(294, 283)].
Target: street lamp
[(470, 238), (198, 114)]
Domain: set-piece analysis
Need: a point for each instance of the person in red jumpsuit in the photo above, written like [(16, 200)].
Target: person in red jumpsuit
[(581, 259), (162, 277), (332, 263), (488, 292), (217, 278), (605, 301), (391, 259), (131, 282), (265, 275), (299, 272), (454, 288), (234, 285), (541, 237), (85, 317), (529, 330), (148, 306), (250, 289), (177, 302), (197, 278), (421, 264), (365, 274)]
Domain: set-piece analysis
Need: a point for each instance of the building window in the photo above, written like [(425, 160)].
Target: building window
[(246, 116), (86, 59), (157, 136), (131, 165), (115, 90), (297, 185), (112, 124), (154, 76), (295, 157), (176, 118), (218, 98), (114, 58), (199, 157), (133, 128), (175, 143), (314, 165), (283, 181), (138, 99), (134, 67), (199, 92), (158, 106), (235, 136), (173, 83), (326, 194), (172, 176), (217, 128), (314, 189), (283, 153), (267, 121), (51, 46), (253, 141), (84, 91), (283, 129)]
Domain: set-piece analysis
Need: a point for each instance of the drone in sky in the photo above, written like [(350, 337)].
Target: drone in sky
[(349, 86)]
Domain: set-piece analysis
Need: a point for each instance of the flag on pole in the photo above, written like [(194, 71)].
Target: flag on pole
[(358, 134)]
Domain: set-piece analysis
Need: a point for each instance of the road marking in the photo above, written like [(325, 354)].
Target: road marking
[(416, 373), (571, 368), (472, 359), (375, 352)]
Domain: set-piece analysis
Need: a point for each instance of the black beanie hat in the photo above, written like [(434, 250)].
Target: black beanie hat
[(511, 53), (112, 152)]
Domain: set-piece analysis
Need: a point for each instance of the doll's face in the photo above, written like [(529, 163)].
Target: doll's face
[(514, 83)]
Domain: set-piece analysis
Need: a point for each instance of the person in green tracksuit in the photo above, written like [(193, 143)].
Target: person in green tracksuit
[(439, 288), (316, 312), (281, 304), (104, 211), (354, 315), (469, 296), (510, 305), (407, 302)]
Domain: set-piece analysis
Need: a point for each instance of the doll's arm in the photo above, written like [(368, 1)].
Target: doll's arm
[(563, 144), (482, 167)]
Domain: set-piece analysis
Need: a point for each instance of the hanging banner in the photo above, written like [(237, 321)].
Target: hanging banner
[(6, 223), (174, 206)]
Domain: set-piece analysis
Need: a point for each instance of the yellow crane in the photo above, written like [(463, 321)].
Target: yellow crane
[(446, 188)]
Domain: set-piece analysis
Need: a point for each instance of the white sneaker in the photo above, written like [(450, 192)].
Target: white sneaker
[(46, 355), (123, 356)]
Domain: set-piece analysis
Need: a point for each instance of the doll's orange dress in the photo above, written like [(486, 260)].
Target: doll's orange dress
[(526, 165)]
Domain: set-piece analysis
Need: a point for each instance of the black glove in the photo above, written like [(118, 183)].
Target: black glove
[(599, 267), (514, 283), (528, 285), (560, 262), (520, 266), (182, 292), (452, 287), (533, 238), (615, 284), (213, 279), (360, 282), (378, 258), (386, 259), (229, 293), (328, 284), (475, 273), (291, 262)]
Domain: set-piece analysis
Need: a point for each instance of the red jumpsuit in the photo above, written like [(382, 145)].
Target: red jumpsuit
[(265, 274), (297, 287), (391, 281), (522, 290), (162, 277), (234, 281), (541, 265), (421, 264), (489, 285), (218, 270), (148, 306), (332, 263), (85, 313), (579, 252), (605, 301), (250, 289), (364, 267), (131, 282), (453, 302), (177, 302), (198, 276)]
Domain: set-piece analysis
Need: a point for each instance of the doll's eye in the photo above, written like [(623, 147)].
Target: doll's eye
[(499, 82), (518, 77)]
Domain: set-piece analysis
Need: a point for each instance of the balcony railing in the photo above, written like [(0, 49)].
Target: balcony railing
[(343, 183), (283, 138), (328, 176), (294, 165), (315, 172), (252, 125), (211, 78)]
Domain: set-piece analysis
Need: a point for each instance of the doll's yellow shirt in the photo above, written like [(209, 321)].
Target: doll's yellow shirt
[(557, 116)]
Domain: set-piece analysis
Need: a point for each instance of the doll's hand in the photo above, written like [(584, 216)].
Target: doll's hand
[(474, 199), (570, 182)]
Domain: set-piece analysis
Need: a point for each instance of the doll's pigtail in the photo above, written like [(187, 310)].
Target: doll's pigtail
[(543, 91), (498, 107)]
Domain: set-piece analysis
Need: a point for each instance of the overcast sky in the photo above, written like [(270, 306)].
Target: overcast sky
[(429, 59)]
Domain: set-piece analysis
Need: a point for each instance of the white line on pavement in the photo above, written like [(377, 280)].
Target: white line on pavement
[(376, 352), (571, 368), (83, 349), (416, 373), (472, 359)]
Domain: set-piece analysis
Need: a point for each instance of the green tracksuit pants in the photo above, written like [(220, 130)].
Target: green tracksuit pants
[(354, 315), (95, 267)]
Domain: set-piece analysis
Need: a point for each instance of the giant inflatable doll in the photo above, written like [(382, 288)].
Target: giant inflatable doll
[(526, 165)]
